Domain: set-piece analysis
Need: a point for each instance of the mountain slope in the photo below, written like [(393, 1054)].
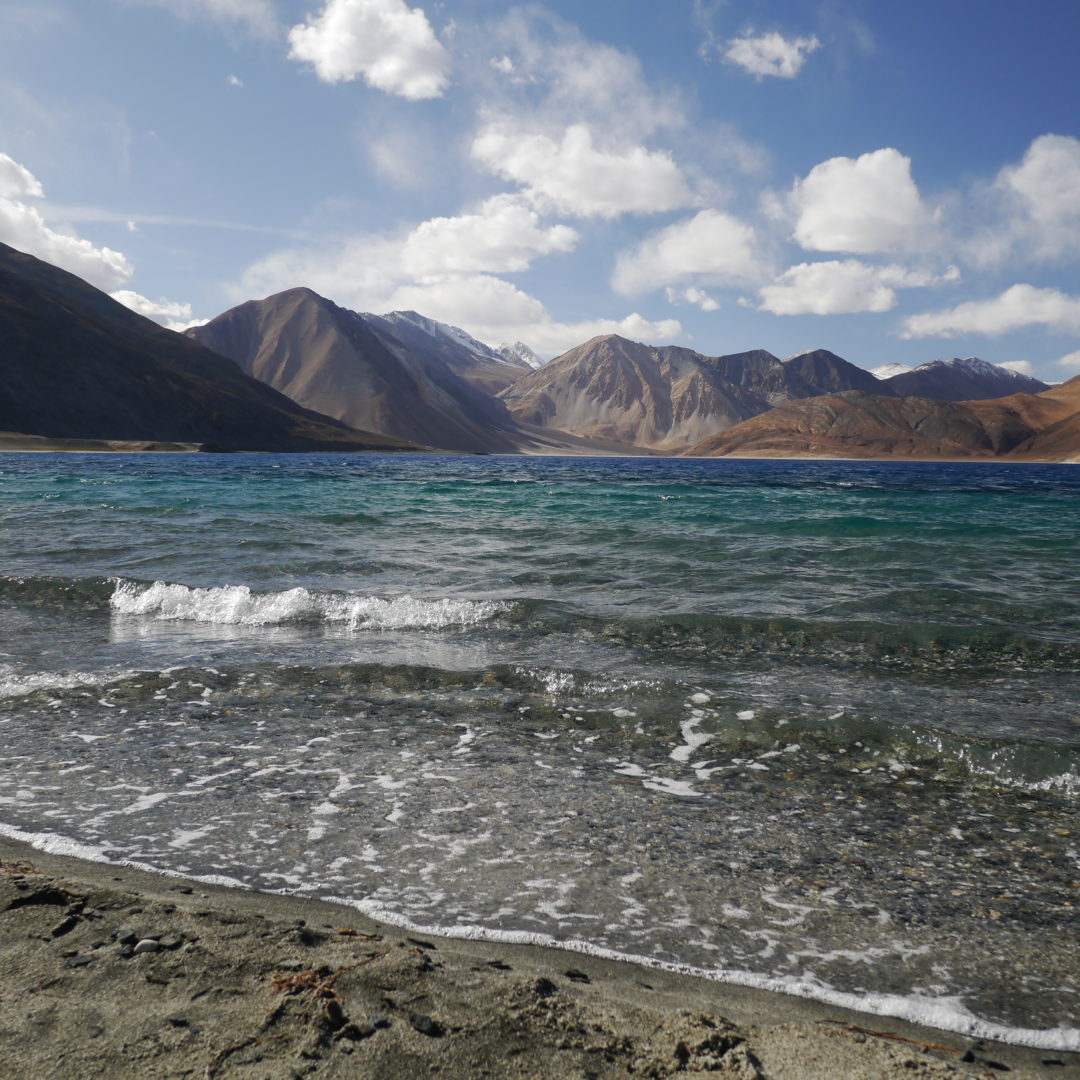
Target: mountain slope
[(624, 392), (328, 358), (78, 365), (468, 358), (668, 398), (827, 373), (857, 424), (967, 379)]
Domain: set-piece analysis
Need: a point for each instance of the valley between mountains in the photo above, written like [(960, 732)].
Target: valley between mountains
[(295, 372)]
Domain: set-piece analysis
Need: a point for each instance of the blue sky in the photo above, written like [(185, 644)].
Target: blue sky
[(896, 182)]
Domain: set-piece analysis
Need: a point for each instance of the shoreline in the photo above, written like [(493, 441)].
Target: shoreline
[(229, 992)]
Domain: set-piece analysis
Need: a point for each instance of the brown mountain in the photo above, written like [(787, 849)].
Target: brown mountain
[(327, 358), (856, 424), (78, 365), (666, 398)]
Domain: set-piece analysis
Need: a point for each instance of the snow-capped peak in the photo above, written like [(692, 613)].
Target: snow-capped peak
[(453, 334), (887, 371), (973, 365), (519, 352)]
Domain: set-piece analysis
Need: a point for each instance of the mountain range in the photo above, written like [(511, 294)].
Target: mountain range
[(79, 365), (296, 371)]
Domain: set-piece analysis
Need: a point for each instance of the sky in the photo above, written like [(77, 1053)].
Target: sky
[(896, 182)]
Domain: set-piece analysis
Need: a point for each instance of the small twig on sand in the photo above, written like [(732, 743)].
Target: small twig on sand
[(890, 1035), (219, 1058)]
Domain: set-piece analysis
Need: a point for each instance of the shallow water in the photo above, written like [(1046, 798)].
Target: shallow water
[(811, 725)]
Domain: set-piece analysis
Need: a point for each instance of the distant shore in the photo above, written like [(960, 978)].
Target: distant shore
[(244, 984)]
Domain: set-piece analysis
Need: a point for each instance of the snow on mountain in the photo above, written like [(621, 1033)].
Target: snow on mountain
[(976, 367), (519, 352), (453, 334), (887, 371)]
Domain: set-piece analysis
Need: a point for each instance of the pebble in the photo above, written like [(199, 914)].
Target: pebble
[(379, 1021), (700, 699), (79, 961), (357, 1031), (147, 945), (64, 927), (126, 937), (425, 1025)]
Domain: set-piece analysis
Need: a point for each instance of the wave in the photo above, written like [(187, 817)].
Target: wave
[(237, 605), (948, 1013)]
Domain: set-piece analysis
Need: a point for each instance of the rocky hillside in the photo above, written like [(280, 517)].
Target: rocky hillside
[(856, 424), (667, 398), (79, 365), (328, 358)]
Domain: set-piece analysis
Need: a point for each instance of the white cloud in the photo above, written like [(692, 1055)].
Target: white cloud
[(16, 180), (174, 316), (712, 246), (1071, 360), (1016, 308), (378, 274), (828, 288), (559, 77), (844, 287), (388, 43), (771, 54), (235, 80), (692, 295), (861, 205), (503, 235), (572, 176), (1045, 189), (257, 16), (22, 226), (1022, 367)]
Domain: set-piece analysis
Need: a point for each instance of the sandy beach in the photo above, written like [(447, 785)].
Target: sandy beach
[(109, 971)]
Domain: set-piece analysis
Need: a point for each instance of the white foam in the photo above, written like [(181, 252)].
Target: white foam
[(15, 684), (944, 1013), (237, 605)]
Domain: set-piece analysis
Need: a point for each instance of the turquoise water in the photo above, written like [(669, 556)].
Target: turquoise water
[(809, 725)]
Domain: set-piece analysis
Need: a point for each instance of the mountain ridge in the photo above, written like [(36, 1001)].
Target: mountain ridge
[(79, 365)]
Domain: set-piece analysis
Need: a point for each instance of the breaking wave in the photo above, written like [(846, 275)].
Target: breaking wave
[(237, 605)]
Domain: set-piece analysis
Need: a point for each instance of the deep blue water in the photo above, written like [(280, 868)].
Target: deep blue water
[(814, 724)]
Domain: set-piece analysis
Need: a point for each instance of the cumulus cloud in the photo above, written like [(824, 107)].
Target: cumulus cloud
[(235, 80), (170, 314), (770, 54), (571, 175), (1016, 308), (1021, 367), (844, 287), (492, 309), (446, 268), (389, 44), (711, 246), (503, 235), (1045, 190), (1071, 360), (864, 205), (23, 226), (17, 181)]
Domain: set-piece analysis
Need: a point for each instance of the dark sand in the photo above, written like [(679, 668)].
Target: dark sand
[(261, 987)]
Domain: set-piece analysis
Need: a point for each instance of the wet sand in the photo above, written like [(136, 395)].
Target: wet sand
[(248, 985)]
